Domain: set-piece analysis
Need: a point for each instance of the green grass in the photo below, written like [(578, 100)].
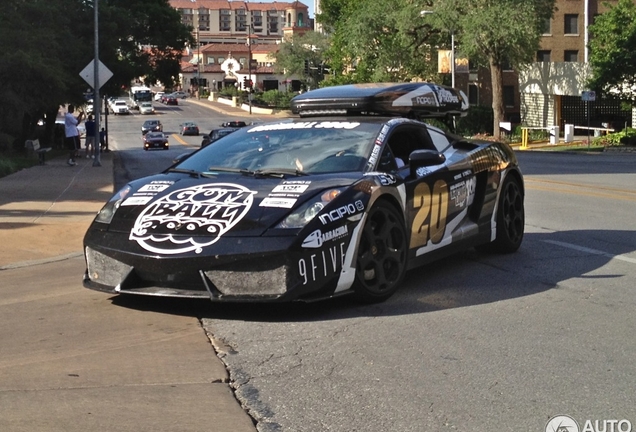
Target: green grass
[(10, 162)]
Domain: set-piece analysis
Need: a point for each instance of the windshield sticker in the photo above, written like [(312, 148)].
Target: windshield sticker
[(317, 238), (375, 153), (190, 219), (278, 202), (305, 125)]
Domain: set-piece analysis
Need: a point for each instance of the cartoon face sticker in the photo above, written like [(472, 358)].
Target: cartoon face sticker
[(192, 218)]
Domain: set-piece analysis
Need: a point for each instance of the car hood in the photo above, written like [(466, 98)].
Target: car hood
[(232, 205)]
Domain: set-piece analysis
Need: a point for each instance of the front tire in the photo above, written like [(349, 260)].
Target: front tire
[(382, 255)]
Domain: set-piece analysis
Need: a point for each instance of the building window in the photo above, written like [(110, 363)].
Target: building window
[(543, 56), (509, 96), (242, 61), (571, 56), (221, 60), (301, 20), (546, 28), (473, 94), (210, 60), (571, 24)]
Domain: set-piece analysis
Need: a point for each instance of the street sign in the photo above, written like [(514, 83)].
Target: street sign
[(588, 95), (88, 73)]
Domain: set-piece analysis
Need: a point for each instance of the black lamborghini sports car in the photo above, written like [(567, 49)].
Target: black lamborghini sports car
[(342, 199)]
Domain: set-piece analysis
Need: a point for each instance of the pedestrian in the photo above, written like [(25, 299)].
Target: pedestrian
[(71, 134), (102, 140), (90, 137)]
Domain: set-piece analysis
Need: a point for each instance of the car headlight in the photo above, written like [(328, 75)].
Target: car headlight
[(309, 210), (107, 212)]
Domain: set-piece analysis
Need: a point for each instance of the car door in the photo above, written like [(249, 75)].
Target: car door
[(438, 196)]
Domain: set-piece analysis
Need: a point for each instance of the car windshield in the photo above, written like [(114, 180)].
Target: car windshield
[(309, 147)]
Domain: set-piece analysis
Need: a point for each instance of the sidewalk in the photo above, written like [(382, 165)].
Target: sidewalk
[(46, 209)]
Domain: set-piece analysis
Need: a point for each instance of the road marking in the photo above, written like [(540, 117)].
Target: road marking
[(591, 251), (178, 138)]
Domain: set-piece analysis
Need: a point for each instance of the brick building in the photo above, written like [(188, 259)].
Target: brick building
[(231, 33)]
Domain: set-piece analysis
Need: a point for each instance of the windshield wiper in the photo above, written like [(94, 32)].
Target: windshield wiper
[(193, 173), (274, 172)]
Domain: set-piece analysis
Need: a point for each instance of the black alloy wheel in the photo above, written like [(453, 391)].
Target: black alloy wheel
[(382, 254)]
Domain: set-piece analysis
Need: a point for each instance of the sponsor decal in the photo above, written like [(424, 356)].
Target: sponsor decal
[(375, 153), (382, 135), (446, 96), (291, 187), (341, 212), (146, 193), (317, 238), (278, 202), (155, 187), (137, 200), (322, 264), (305, 125), (384, 178), (206, 212)]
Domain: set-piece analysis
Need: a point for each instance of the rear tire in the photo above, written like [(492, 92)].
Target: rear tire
[(510, 217), (382, 255)]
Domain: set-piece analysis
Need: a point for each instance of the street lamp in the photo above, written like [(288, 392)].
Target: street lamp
[(452, 59)]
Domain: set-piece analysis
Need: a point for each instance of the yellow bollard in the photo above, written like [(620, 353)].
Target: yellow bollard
[(524, 139)]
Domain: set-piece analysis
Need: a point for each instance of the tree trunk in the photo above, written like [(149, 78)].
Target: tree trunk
[(497, 97)]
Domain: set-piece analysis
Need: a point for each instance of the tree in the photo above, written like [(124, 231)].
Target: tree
[(300, 51), (612, 54), (378, 41), (47, 43), (495, 33)]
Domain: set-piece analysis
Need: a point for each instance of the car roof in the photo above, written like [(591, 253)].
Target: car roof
[(412, 100)]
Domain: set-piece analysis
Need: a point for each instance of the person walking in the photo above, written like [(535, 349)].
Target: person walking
[(90, 137), (71, 134)]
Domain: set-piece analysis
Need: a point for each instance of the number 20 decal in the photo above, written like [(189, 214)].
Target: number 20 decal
[(430, 221)]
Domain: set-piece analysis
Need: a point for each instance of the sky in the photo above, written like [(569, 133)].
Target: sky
[(309, 3)]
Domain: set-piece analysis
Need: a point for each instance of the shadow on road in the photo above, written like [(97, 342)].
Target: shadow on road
[(466, 279)]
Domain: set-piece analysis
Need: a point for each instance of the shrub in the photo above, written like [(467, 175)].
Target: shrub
[(478, 121), (274, 99), (625, 137)]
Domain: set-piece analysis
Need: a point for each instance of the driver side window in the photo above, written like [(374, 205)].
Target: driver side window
[(405, 140)]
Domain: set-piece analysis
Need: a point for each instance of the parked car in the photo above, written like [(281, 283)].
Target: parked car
[(189, 128), (216, 134), (146, 108), (313, 207), (156, 140), (120, 107), (151, 126)]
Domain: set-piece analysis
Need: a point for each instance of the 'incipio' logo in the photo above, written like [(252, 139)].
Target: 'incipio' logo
[(190, 219), (340, 212)]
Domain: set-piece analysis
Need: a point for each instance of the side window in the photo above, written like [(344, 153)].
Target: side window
[(439, 138), (406, 139), (387, 161)]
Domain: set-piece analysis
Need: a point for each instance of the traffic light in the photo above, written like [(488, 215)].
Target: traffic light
[(245, 83), (250, 84), (306, 67)]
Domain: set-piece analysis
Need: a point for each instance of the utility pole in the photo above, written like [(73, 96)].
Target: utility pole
[(249, 63), (97, 101)]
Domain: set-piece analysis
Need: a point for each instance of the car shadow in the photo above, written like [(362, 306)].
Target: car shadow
[(466, 279)]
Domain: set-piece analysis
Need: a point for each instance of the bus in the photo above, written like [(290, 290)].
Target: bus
[(139, 94)]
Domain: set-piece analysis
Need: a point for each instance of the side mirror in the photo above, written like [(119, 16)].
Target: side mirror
[(425, 158)]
